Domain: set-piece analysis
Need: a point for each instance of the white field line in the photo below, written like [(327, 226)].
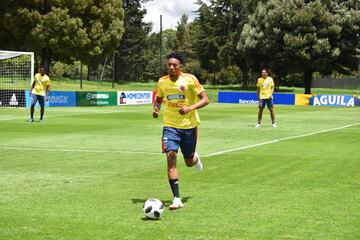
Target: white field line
[(153, 153), (76, 150), (278, 140), (75, 114)]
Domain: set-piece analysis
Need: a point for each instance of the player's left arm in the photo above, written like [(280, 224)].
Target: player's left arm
[(272, 89), (48, 86), (32, 87)]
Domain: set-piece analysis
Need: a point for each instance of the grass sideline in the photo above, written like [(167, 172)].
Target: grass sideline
[(85, 173)]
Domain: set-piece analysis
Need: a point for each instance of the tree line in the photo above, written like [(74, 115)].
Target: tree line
[(227, 43)]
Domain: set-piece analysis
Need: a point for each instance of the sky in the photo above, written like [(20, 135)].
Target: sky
[(171, 11)]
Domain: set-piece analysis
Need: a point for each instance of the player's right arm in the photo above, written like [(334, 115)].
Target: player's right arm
[(158, 100), (47, 93), (258, 91), (157, 106), (32, 87)]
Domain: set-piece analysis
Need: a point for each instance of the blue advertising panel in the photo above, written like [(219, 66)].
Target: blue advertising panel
[(28, 101), (251, 98), (333, 100), (56, 99), (62, 99)]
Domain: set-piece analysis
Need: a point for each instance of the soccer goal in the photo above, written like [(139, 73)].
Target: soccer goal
[(16, 75)]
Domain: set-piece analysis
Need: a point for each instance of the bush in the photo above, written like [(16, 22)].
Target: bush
[(73, 70)]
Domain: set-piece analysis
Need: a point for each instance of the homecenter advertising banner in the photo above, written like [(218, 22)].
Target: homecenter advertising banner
[(12, 98), (251, 98), (334, 100), (134, 97)]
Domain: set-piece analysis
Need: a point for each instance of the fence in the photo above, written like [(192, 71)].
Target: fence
[(341, 83)]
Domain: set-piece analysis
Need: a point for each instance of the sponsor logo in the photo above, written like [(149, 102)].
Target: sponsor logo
[(100, 102), (176, 97), (138, 95), (251, 101), (102, 96), (58, 99), (175, 104), (122, 98), (13, 101), (333, 100), (90, 96), (182, 88)]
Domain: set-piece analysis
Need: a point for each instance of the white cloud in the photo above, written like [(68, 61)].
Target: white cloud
[(171, 11)]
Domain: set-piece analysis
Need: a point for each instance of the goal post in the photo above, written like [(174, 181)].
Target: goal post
[(16, 76)]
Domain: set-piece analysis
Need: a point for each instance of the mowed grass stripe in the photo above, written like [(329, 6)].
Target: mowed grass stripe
[(279, 140), (203, 155), (303, 188)]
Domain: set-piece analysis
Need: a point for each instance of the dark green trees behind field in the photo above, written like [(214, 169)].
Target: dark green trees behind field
[(62, 30), (287, 36), (229, 41), (302, 37)]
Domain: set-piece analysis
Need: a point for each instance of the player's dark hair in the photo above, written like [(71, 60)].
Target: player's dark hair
[(177, 56)]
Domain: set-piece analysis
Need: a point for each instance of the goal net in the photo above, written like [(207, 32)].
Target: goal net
[(16, 75)]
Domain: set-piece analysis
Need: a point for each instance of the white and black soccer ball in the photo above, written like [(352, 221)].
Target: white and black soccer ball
[(153, 208)]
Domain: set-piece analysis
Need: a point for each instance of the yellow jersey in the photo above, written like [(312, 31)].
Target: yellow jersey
[(184, 91), (41, 83), (265, 85)]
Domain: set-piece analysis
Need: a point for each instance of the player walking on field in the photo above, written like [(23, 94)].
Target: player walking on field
[(265, 89), (182, 95), (39, 91)]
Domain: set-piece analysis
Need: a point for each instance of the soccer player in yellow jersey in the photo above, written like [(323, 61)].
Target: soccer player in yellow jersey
[(265, 88), (181, 94), (39, 91)]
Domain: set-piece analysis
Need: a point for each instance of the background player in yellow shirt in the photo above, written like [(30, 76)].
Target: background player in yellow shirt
[(181, 94), (265, 88), (39, 91)]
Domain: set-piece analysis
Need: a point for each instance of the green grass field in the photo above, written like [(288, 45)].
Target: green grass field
[(86, 172)]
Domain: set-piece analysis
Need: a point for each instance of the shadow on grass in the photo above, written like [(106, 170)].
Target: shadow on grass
[(165, 202)]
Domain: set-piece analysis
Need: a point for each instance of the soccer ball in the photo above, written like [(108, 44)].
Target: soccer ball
[(153, 208)]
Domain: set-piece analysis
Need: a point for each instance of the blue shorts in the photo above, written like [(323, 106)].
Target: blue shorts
[(186, 139), (39, 98), (268, 102)]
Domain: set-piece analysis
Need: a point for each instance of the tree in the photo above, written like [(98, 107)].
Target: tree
[(302, 37), (62, 30), (182, 42), (132, 62), (220, 24), (206, 41), (154, 69)]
